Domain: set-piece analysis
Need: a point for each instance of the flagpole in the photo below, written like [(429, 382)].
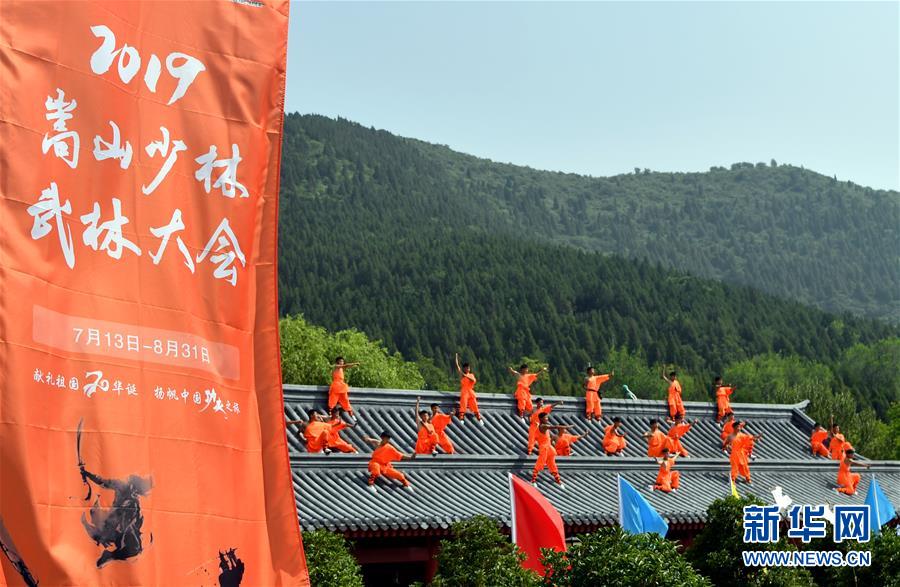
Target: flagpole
[(512, 510), (619, 496)]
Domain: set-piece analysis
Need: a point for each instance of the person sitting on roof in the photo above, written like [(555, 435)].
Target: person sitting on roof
[(523, 388), (563, 442), (676, 432), (593, 409), (440, 421), (383, 457), (337, 424), (339, 391), (315, 432), (427, 440), (727, 431), (741, 447), (656, 440), (666, 479), (723, 401), (837, 444), (676, 406), (847, 481), (540, 408), (614, 438), (546, 452), (817, 441), (467, 392)]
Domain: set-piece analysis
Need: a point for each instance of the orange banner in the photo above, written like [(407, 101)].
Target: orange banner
[(142, 436)]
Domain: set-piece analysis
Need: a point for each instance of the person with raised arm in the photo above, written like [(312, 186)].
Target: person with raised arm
[(524, 382), (382, 462), (427, 439), (315, 431), (723, 398), (440, 421), (727, 431), (666, 479), (339, 391), (741, 447), (676, 433), (563, 442), (546, 452), (676, 405), (837, 443), (656, 440), (467, 398), (848, 481), (337, 424), (534, 421), (593, 409)]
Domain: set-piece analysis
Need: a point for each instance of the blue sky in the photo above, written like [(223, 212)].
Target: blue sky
[(602, 87)]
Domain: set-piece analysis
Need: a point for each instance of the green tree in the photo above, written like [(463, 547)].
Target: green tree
[(478, 555), (329, 560), (308, 352), (613, 557), (716, 551)]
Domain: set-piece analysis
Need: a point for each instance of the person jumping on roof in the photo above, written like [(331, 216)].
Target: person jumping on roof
[(382, 462), (676, 406), (467, 391), (593, 408)]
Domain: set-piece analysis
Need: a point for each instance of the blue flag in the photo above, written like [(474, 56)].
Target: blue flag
[(636, 515), (882, 509)]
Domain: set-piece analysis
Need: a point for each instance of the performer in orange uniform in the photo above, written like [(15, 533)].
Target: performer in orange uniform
[(381, 463), (656, 440), (723, 401), (523, 388), (339, 392), (837, 444), (614, 438), (535, 421), (440, 421), (676, 432), (741, 447), (676, 406), (546, 452), (666, 479), (467, 392), (427, 439), (847, 481), (592, 383), (334, 437), (564, 442), (727, 431), (817, 441), (315, 433)]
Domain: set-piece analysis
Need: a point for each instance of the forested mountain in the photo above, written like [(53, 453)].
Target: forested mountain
[(778, 228), (379, 234)]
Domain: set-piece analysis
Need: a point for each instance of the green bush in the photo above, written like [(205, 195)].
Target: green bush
[(329, 560), (612, 557), (478, 555)]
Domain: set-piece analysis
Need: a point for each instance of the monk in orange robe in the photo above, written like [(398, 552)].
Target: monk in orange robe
[(656, 440), (534, 422), (467, 399), (339, 391), (614, 438), (440, 421), (727, 431), (593, 409), (523, 388), (546, 452), (837, 444), (723, 401), (382, 462), (675, 434), (337, 424), (741, 447), (426, 439), (316, 432), (848, 481), (676, 405), (666, 479), (564, 442), (817, 441)]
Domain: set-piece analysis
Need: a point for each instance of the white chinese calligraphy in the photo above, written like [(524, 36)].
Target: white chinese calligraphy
[(227, 180), (48, 207), (113, 149), (162, 148), (66, 142), (224, 239), (114, 241)]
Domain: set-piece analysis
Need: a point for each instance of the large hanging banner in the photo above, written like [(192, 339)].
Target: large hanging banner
[(141, 426)]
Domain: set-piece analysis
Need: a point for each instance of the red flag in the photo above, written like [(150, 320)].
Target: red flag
[(535, 523)]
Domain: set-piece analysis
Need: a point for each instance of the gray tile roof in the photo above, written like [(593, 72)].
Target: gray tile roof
[(331, 490)]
